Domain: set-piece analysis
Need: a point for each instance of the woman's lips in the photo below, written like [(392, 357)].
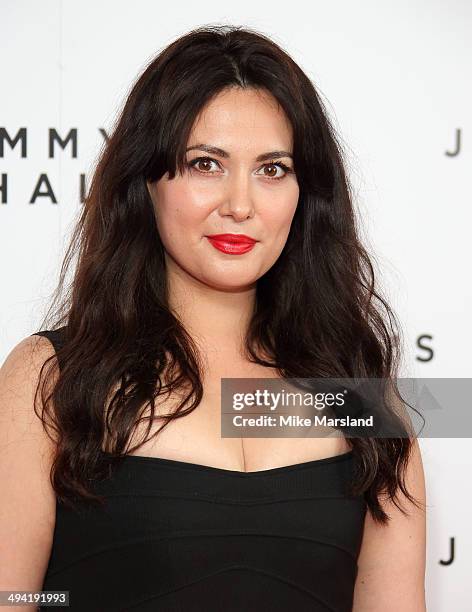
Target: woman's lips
[(233, 244)]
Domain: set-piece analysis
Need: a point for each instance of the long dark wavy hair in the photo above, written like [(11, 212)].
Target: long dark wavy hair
[(317, 312)]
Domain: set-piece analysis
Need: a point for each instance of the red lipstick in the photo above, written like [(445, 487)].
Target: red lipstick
[(233, 244)]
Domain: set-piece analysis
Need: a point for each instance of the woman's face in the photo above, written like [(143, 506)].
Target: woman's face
[(237, 189)]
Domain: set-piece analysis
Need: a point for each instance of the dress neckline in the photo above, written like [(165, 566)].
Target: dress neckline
[(187, 465)]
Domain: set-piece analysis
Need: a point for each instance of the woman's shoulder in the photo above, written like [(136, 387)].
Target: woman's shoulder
[(20, 374), (23, 363), (20, 401)]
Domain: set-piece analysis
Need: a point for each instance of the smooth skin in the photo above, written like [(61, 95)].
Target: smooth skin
[(214, 292), (27, 502), (232, 190)]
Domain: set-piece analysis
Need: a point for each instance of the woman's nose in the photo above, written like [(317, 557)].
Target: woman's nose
[(239, 198)]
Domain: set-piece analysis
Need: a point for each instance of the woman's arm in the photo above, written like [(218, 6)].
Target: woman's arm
[(392, 559), (27, 500)]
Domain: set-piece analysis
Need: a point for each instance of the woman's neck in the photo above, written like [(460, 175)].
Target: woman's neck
[(217, 319)]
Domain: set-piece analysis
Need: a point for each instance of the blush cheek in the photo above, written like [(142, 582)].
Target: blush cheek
[(191, 208)]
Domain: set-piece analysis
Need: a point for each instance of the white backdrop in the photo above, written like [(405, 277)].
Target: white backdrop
[(396, 78)]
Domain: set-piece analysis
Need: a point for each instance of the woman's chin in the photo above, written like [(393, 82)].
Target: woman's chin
[(231, 282)]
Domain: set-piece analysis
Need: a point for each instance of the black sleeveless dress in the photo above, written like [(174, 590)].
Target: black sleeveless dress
[(183, 537)]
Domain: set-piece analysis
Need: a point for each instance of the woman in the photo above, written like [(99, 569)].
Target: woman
[(148, 507)]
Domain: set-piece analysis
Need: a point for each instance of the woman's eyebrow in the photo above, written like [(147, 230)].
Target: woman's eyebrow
[(217, 151)]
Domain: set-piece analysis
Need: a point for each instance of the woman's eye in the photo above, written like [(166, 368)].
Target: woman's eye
[(202, 164), (273, 169)]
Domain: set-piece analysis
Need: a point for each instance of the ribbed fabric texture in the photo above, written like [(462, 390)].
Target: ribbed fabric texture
[(177, 536)]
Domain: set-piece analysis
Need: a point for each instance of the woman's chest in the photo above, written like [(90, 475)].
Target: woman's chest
[(197, 437)]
